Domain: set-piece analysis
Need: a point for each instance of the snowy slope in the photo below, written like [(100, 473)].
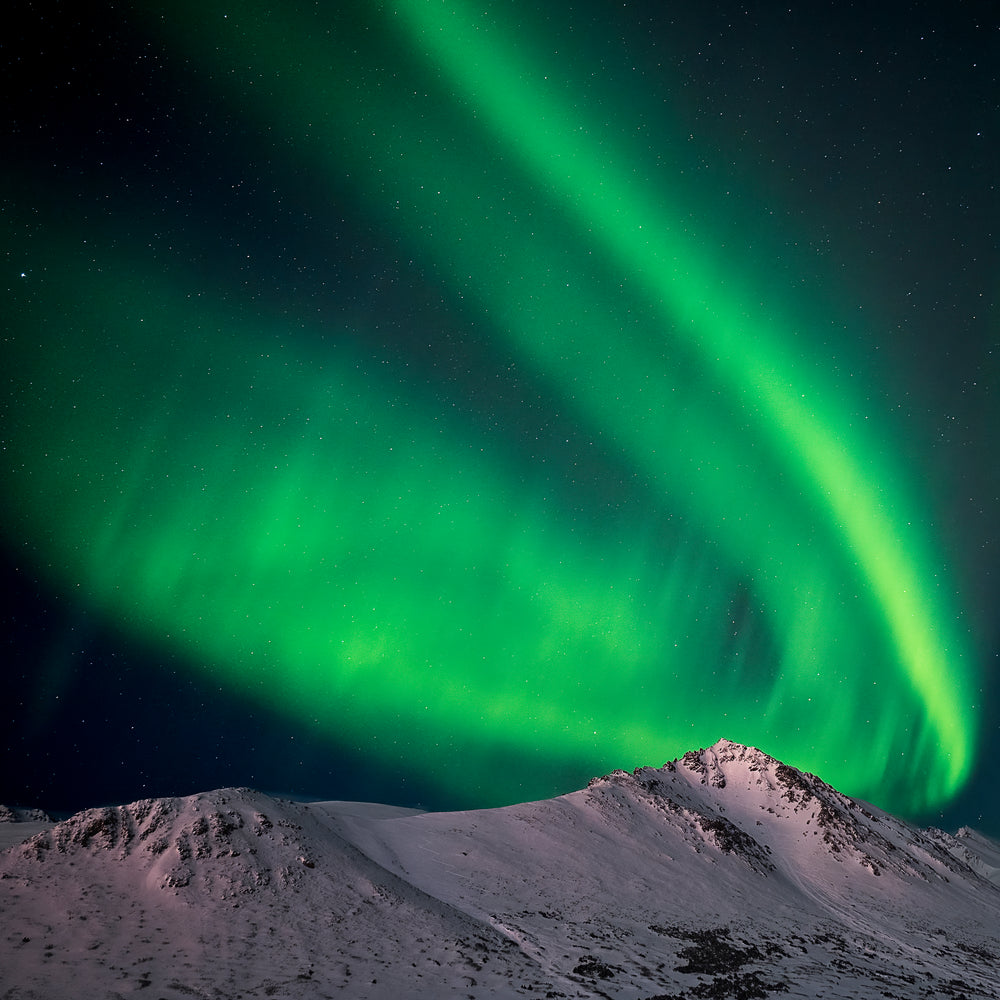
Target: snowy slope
[(723, 874)]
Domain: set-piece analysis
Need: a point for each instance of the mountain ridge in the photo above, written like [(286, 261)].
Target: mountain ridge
[(723, 873)]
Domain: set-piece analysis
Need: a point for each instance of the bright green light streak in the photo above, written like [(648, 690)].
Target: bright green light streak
[(520, 269), (555, 143)]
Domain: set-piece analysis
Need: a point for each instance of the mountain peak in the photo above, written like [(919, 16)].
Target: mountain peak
[(743, 802), (711, 763)]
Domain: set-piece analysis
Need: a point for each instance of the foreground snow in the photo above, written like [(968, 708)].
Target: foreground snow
[(722, 874)]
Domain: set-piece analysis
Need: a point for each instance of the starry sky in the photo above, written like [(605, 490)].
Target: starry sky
[(440, 404)]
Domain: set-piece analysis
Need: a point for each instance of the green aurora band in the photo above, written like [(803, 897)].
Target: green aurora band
[(330, 540)]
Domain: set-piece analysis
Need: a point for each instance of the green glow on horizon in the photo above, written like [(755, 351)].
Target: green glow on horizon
[(331, 544)]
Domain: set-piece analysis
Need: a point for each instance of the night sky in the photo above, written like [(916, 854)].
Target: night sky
[(440, 404)]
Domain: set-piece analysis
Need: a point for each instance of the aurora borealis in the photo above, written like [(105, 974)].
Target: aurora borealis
[(488, 399)]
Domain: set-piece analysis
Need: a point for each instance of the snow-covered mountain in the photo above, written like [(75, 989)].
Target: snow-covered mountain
[(723, 874)]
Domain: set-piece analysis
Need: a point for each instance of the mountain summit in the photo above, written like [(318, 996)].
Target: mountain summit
[(724, 873), (751, 805)]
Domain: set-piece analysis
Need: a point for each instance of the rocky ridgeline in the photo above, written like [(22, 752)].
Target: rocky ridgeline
[(696, 823), (221, 841), (849, 829)]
